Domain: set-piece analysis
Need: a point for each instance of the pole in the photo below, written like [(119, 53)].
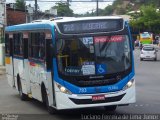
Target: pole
[(97, 7), (36, 9), (68, 3)]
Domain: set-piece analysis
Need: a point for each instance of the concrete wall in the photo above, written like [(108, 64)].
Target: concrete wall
[(2, 54)]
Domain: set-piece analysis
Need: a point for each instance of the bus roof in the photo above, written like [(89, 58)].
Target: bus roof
[(70, 19), (48, 24)]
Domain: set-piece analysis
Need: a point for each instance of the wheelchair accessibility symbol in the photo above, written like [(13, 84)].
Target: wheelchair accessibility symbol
[(101, 69)]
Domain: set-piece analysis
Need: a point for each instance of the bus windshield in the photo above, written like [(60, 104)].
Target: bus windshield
[(99, 55)]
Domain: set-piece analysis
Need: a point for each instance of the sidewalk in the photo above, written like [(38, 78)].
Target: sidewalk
[(2, 70)]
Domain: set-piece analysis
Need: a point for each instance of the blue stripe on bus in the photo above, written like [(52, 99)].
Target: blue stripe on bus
[(55, 76), (92, 90), (131, 45), (30, 26)]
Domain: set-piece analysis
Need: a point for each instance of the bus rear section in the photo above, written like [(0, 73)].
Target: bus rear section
[(85, 62), (146, 38)]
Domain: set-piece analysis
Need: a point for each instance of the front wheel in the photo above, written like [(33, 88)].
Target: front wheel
[(50, 109), (111, 108), (155, 59), (21, 94)]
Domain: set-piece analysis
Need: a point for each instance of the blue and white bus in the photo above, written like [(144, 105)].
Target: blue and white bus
[(70, 63)]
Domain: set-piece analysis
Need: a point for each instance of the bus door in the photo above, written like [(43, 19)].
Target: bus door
[(9, 59), (37, 73), (49, 68)]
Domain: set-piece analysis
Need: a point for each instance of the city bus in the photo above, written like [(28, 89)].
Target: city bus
[(146, 38), (69, 63)]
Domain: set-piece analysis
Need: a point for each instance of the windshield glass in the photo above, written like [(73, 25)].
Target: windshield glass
[(148, 48), (93, 55)]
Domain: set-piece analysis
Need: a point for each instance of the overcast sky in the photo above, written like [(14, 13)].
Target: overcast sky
[(77, 7)]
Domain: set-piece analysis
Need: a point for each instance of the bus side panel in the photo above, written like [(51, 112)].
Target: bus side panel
[(20, 70), (26, 76), (9, 70), (35, 73), (50, 90)]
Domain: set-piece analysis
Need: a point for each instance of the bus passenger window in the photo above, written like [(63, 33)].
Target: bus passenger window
[(18, 44), (42, 46), (7, 45), (37, 45)]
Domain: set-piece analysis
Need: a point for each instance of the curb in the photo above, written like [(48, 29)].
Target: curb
[(2, 70)]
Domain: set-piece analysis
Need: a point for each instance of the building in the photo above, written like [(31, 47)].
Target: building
[(16, 16), (2, 26), (2, 20)]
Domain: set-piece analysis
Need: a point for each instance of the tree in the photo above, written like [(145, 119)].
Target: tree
[(63, 9), (148, 20), (20, 4), (108, 10)]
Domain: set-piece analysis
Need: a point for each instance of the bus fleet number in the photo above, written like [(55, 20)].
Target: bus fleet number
[(82, 90)]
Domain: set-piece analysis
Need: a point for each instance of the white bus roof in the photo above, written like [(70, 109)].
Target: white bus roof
[(68, 19)]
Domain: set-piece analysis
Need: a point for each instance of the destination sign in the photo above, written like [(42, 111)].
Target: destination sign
[(91, 26)]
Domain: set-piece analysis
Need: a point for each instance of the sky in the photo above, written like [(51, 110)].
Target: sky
[(77, 7)]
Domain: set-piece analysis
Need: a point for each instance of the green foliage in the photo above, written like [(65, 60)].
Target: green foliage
[(117, 3), (63, 10), (20, 4), (121, 11), (147, 20), (108, 10)]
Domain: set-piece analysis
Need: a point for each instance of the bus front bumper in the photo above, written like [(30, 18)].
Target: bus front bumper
[(123, 97)]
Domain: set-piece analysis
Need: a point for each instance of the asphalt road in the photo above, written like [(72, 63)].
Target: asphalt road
[(147, 93)]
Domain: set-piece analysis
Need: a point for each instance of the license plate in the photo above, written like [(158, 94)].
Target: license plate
[(98, 97), (148, 56)]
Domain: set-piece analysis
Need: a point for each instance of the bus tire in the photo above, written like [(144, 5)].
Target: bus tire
[(111, 108), (50, 109), (23, 96)]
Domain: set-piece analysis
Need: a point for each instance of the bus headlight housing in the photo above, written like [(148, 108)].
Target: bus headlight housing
[(129, 84), (63, 89)]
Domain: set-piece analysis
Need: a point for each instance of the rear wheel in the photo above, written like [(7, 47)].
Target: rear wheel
[(111, 108), (155, 59), (141, 59)]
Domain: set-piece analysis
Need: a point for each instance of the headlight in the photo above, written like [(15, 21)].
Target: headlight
[(129, 84), (63, 89)]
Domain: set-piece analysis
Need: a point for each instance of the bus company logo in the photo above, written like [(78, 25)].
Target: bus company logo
[(96, 77), (118, 77)]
